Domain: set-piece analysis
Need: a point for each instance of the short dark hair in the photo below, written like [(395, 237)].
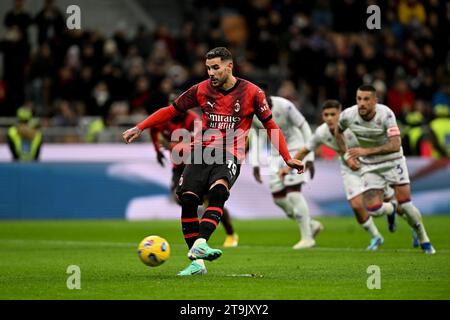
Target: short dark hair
[(367, 87), (331, 104), (219, 52)]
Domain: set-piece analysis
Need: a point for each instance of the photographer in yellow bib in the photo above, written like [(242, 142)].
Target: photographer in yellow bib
[(25, 138)]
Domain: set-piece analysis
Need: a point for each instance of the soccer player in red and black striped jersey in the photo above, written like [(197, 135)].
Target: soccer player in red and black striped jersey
[(162, 135), (228, 104)]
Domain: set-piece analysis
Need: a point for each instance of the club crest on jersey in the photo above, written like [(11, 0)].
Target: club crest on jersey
[(237, 106)]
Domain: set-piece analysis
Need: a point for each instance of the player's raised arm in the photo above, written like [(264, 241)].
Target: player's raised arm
[(159, 117), (184, 102)]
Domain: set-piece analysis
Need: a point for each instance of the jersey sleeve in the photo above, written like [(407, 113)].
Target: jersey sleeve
[(314, 142), (187, 100), (295, 116), (262, 110), (343, 121), (391, 126), (191, 117)]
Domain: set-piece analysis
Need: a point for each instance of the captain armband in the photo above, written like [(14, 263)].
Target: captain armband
[(393, 132)]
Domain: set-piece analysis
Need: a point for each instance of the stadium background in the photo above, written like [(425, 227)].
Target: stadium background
[(129, 55)]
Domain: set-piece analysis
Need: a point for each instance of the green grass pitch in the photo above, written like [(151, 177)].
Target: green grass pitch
[(34, 257)]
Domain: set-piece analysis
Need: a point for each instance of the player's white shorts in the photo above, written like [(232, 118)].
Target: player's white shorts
[(291, 179), (354, 186), (378, 176)]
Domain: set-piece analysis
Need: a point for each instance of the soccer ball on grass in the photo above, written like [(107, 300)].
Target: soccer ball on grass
[(154, 251)]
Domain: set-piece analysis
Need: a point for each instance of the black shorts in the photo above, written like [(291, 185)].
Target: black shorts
[(176, 175), (198, 178)]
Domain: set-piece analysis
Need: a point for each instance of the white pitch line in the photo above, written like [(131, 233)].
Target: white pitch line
[(68, 243), (130, 245)]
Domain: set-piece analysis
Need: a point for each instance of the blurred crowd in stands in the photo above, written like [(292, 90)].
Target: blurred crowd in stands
[(308, 51)]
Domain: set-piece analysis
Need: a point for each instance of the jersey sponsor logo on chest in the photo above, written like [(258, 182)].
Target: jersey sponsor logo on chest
[(220, 121)]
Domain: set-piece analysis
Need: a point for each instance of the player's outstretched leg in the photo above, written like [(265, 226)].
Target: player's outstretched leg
[(190, 225), (414, 219), (415, 237), (413, 216), (217, 196)]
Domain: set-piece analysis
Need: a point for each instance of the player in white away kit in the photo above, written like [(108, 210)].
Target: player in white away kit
[(351, 176), (381, 158), (287, 192)]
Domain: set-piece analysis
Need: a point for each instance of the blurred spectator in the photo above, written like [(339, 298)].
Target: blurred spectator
[(442, 97), (50, 22), (310, 50), (411, 12), (414, 133), (143, 41), (41, 75), (65, 115), (441, 130), (2, 96), (400, 98), (15, 57), (140, 102), (100, 101), (19, 17), (25, 138)]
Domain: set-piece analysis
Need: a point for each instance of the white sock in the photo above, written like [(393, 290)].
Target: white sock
[(414, 219), (199, 241), (201, 262), (370, 227), (301, 214), (386, 208), (285, 205), (314, 224), (405, 217)]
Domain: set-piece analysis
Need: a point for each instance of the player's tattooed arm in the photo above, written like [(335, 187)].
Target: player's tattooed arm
[(393, 145), (340, 140)]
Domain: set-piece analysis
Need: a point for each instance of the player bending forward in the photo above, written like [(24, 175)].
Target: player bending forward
[(228, 104), (381, 158), (351, 176), (286, 191)]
